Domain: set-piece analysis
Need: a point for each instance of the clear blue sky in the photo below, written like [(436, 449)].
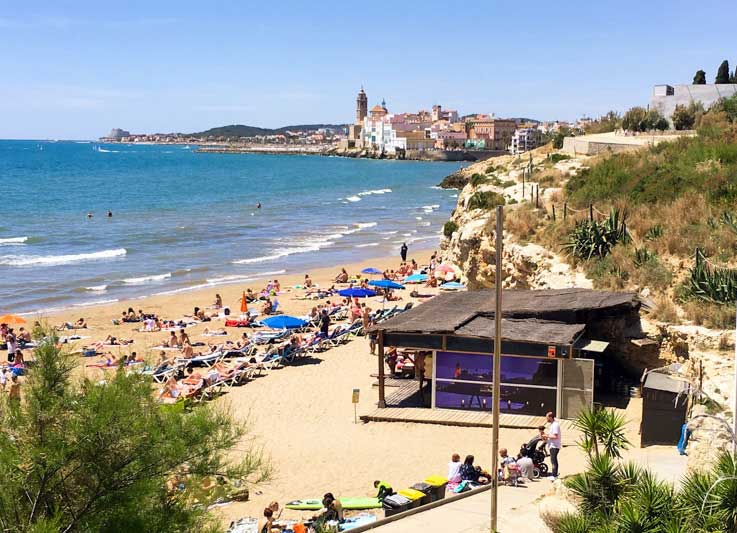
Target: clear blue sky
[(75, 69)]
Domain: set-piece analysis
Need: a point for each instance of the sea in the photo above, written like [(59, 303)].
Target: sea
[(183, 220)]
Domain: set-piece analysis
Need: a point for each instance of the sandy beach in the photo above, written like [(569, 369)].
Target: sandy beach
[(302, 414)]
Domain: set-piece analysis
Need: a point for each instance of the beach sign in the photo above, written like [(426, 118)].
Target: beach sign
[(356, 394)]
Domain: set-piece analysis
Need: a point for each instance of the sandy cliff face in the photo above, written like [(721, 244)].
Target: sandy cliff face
[(472, 245)]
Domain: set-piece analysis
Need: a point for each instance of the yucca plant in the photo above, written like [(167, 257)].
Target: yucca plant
[(709, 500), (642, 256), (654, 232), (602, 431), (591, 238)]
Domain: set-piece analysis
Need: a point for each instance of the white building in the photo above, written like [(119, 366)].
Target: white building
[(378, 133), (524, 139)]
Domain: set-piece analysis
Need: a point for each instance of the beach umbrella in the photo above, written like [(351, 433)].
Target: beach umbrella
[(371, 270), (386, 284), (445, 268), (416, 278), (12, 320), (452, 286), (283, 322), (244, 303), (357, 292)]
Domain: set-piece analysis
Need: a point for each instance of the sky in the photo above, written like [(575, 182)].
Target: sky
[(76, 69)]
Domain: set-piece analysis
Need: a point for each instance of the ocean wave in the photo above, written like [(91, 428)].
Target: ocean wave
[(13, 241), (309, 246), (389, 232), (424, 224), (363, 225), (436, 187), (366, 245), (48, 260), (96, 288), (108, 151), (377, 191), (146, 279), (418, 218), (353, 198)]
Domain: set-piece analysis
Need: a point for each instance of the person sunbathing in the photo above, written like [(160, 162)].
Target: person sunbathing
[(214, 332), (266, 307), (107, 359), (170, 392), (342, 277), (218, 302), (187, 351), (183, 337), (172, 341)]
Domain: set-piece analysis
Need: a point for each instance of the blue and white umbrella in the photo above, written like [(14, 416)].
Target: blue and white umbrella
[(416, 278), (357, 292), (371, 270), (386, 284), (452, 286), (283, 322)]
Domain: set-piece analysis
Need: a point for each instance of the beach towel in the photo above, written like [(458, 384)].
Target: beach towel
[(237, 323)]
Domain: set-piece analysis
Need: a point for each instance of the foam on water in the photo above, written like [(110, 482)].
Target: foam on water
[(13, 241), (49, 260), (146, 279)]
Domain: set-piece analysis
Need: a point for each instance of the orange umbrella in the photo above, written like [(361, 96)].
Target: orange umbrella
[(244, 304), (12, 320)]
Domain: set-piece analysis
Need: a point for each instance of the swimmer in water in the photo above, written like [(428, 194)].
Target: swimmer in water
[(89, 215), (258, 205), (110, 214)]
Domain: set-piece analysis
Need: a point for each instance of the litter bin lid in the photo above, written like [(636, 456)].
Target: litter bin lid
[(412, 494), (422, 487), (436, 481)]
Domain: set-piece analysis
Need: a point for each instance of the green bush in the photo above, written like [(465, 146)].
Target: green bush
[(449, 228), (556, 158), (485, 200), (477, 179)]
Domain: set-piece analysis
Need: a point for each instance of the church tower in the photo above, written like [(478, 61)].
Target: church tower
[(361, 106)]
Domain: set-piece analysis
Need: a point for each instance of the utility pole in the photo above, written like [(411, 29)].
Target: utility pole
[(497, 365)]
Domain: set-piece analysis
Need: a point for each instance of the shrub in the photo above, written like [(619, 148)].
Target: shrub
[(711, 283), (485, 200), (522, 222), (591, 238), (477, 179), (686, 117), (449, 228), (710, 315), (556, 158)]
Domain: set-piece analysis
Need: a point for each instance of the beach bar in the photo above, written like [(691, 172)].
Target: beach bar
[(550, 339)]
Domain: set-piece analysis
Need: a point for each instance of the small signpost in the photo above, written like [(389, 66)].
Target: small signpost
[(356, 395)]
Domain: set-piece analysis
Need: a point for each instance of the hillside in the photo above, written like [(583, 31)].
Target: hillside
[(239, 130)]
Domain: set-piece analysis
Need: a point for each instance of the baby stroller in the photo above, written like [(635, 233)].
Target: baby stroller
[(537, 454)]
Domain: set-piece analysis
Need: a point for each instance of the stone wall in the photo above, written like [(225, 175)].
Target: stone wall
[(707, 94)]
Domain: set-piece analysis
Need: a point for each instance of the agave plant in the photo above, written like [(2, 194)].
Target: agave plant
[(591, 238), (709, 500), (711, 283), (654, 232), (642, 256)]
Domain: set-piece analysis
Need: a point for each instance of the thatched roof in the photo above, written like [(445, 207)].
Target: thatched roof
[(450, 313)]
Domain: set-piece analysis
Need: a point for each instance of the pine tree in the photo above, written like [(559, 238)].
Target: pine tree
[(723, 73), (699, 78)]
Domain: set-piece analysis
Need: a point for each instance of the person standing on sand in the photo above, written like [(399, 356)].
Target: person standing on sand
[(403, 251), (324, 322), (553, 439)]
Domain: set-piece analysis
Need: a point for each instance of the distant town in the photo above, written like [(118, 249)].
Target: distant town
[(437, 133)]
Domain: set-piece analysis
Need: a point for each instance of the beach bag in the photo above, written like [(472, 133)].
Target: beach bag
[(463, 486)]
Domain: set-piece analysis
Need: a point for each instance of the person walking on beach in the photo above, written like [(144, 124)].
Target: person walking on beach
[(403, 251), (553, 439)]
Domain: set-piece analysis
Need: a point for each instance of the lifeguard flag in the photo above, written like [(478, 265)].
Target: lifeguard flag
[(244, 304)]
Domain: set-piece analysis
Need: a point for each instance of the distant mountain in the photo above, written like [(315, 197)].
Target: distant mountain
[(239, 130)]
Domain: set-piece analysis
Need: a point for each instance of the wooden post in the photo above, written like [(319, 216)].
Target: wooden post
[(537, 196), (496, 374), (591, 212), (565, 210), (523, 183), (382, 400), (553, 212)]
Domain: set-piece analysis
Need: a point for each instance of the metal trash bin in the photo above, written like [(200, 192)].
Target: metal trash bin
[(417, 498), (439, 485), (396, 503)]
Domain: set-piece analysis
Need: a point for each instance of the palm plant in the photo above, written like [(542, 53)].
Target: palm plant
[(709, 500), (602, 430)]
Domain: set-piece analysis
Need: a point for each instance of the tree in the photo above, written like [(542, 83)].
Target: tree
[(686, 117), (81, 455), (634, 118), (699, 78), (723, 73)]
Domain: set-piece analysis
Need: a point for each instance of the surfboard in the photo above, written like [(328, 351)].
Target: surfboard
[(315, 504)]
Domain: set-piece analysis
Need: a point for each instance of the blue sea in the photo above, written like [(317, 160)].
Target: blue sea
[(184, 220)]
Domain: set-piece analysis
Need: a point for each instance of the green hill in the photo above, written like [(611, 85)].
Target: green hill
[(240, 130)]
